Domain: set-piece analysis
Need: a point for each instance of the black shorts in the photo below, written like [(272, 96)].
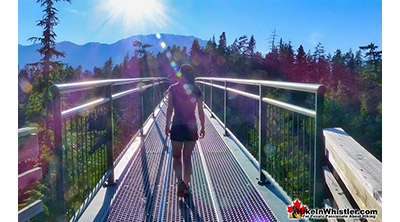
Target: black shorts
[(183, 132)]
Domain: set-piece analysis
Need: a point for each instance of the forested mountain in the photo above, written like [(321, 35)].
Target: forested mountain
[(95, 54)]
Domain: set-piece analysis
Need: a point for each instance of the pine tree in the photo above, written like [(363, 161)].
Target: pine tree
[(195, 49), (195, 53), (142, 52), (48, 51), (300, 64), (251, 47), (373, 70), (222, 48), (242, 45), (107, 69), (48, 39)]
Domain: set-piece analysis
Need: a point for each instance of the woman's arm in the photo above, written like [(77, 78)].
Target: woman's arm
[(170, 109), (201, 116)]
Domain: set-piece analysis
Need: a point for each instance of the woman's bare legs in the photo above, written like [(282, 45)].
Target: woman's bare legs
[(177, 163), (187, 160)]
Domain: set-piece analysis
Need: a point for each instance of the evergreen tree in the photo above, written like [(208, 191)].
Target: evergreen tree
[(142, 52), (243, 45), (195, 49), (222, 48), (319, 52), (48, 52), (300, 69), (373, 69), (234, 48), (48, 39), (107, 69), (251, 47), (196, 53)]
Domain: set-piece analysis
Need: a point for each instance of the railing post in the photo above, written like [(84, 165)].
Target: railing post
[(225, 104), (211, 100), (58, 157), (141, 108), (262, 137), (319, 155), (204, 93), (159, 93), (154, 98), (110, 137)]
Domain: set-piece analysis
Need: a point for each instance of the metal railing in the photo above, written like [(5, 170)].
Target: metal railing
[(93, 124), (279, 123)]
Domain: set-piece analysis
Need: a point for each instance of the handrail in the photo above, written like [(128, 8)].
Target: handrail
[(286, 138), (98, 102), (89, 138), (287, 106), (305, 87), (72, 87)]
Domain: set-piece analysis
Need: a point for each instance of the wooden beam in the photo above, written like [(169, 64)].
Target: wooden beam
[(28, 147), (328, 204), (359, 170), (28, 177), (338, 195), (30, 211), (26, 131)]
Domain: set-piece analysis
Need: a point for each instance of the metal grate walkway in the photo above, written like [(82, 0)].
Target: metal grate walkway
[(221, 190)]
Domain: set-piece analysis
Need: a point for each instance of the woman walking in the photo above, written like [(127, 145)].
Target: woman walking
[(183, 97)]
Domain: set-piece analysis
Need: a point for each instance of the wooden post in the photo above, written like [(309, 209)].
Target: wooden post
[(58, 157)]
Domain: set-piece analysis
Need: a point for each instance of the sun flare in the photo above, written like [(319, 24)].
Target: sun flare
[(136, 14)]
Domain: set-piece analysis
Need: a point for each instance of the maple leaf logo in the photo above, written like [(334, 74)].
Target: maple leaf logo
[(296, 210)]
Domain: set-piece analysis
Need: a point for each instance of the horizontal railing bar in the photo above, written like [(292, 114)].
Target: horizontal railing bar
[(252, 96), (290, 107), (84, 107), (98, 102), (305, 87), (286, 106), (127, 92), (72, 87)]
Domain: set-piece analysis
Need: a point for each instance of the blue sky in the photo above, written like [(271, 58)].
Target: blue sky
[(337, 24)]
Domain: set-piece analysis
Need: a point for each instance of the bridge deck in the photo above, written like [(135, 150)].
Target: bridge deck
[(222, 189)]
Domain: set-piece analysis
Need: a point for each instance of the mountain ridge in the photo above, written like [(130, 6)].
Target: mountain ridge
[(94, 54)]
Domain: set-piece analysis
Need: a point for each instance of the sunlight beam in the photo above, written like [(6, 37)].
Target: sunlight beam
[(133, 15)]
